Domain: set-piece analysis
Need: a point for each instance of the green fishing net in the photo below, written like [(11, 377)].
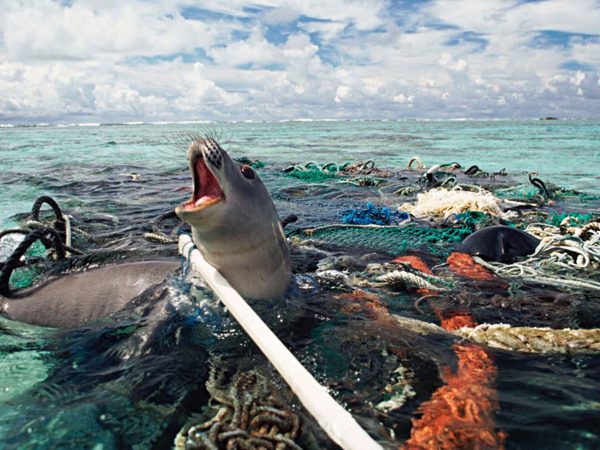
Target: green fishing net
[(312, 172), (391, 240), (24, 277), (528, 192), (574, 218)]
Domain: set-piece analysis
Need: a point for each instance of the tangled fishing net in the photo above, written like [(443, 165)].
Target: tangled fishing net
[(464, 265), (461, 414), (444, 202), (359, 173), (566, 257), (249, 416), (373, 215)]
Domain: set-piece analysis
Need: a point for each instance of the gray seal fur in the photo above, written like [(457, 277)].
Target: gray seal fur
[(235, 224), (77, 298)]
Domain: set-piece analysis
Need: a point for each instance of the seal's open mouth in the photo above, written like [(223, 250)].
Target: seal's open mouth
[(207, 190)]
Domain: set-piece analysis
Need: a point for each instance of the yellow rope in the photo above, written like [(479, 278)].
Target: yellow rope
[(533, 339)]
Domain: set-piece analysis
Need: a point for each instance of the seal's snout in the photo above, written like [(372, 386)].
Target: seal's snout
[(213, 153), (235, 224), (204, 157)]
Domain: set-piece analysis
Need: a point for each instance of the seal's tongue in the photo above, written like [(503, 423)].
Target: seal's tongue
[(206, 187), (207, 190)]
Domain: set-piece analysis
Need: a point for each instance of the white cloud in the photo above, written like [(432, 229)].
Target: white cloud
[(279, 15), (402, 99), (43, 30), (341, 93), (114, 60)]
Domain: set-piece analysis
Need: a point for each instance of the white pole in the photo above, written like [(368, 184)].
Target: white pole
[(335, 420)]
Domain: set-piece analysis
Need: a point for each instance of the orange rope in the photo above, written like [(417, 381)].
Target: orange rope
[(364, 302), (461, 413), (458, 320), (464, 265), (415, 262)]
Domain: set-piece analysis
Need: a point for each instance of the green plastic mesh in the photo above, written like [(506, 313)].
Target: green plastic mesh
[(472, 219), (575, 219), (519, 192), (529, 192), (310, 175), (24, 277), (313, 172), (255, 163), (391, 240)]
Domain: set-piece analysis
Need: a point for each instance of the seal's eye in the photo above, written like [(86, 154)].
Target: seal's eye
[(247, 171)]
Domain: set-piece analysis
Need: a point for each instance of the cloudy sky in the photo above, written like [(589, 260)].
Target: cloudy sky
[(116, 60)]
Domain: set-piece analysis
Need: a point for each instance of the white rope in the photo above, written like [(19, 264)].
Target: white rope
[(529, 274), (409, 280), (560, 255), (445, 202), (335, 420), (416, 159), (68, 233)]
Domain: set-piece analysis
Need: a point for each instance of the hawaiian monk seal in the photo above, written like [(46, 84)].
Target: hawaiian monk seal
[(76, 298), (235, 224), (500, 243)]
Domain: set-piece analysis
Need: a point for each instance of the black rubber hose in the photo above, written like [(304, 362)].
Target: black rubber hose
[(60, 223), (472, 170), (289, 219), (47, 236), (540, 185), (37, 206), (156, 222), (13, 231)]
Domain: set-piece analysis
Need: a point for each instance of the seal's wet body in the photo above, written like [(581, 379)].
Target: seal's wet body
[(78, 298), (235, 224)]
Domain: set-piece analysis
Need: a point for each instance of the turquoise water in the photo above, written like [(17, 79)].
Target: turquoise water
[(566, 153), (74, 389)]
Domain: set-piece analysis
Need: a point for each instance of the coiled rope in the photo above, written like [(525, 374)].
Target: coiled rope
[(561, 254), (409, 280), (531, 275), (533, 339)]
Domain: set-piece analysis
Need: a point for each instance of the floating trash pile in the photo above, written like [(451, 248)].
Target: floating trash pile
[(406, 328)]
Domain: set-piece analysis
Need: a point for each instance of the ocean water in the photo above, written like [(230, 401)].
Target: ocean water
[(75, 389), (564, 152)]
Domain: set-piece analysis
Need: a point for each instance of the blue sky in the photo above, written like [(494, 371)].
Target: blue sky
[(112, 61)]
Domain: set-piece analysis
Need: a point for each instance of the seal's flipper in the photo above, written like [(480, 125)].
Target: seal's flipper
[(500, 243)]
